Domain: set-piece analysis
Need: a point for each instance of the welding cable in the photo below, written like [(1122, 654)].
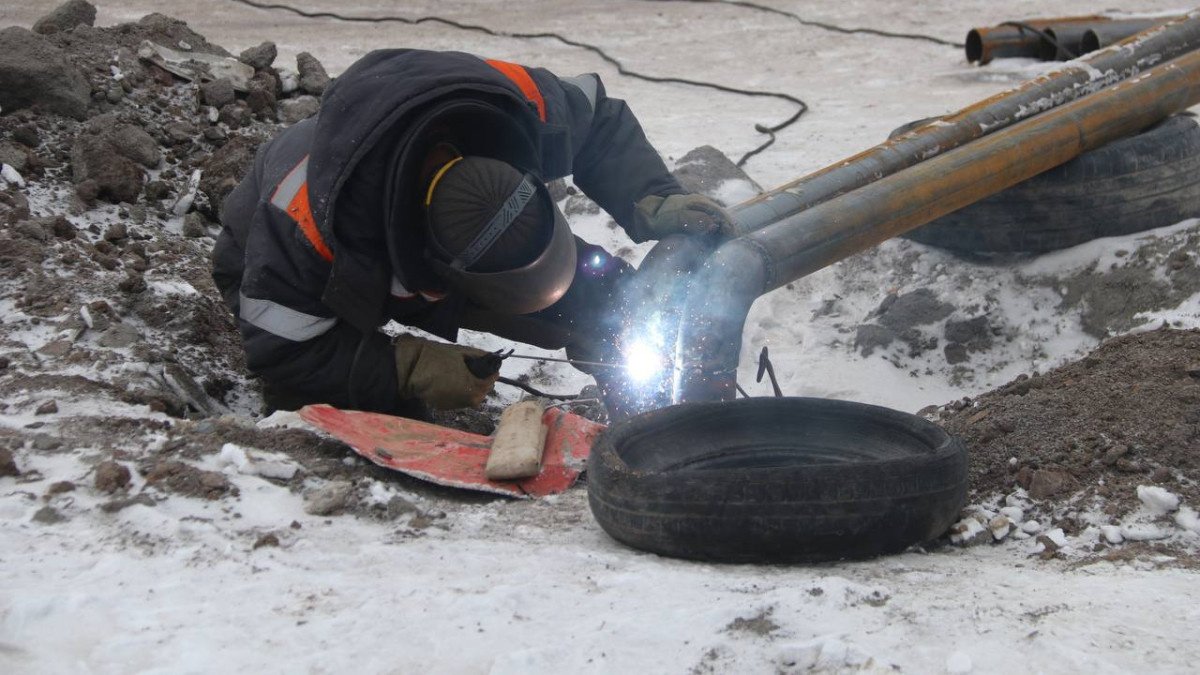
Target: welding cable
[(1045, 35), (825, 26), (770, 131), (535, 391)]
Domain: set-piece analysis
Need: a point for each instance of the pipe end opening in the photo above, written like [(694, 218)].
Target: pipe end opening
[(1048, 50), (974, 47)]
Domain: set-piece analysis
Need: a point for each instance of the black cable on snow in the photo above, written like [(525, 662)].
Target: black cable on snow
[(801, 106), (825, 26)]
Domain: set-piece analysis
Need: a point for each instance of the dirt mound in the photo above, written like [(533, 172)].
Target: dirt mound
[(1126, 415), (107, 227), (1110, 442), (34, 72), (116, 346)]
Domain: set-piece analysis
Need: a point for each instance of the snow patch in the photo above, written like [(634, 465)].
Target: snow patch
[(11, 176), (1157, 500), (277, 467)]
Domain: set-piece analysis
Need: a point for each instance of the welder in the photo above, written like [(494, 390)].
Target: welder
[(418, 195)]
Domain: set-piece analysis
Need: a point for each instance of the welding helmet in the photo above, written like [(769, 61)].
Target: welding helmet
[(494, 234)]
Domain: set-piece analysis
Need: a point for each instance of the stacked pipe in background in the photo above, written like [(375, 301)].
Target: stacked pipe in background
[(1058, 39)]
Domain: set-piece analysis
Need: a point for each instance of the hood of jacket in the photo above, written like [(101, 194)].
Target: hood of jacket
[(384, 91), (375, 95)]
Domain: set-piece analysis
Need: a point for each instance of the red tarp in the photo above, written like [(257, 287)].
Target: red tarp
[(457, 458)]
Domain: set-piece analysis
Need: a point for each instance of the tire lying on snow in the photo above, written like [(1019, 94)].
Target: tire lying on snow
[(776, 480), (1141, 182)]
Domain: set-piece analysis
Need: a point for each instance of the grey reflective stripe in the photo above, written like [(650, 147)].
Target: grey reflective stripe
[(399, 290), (283, 321), (588, 84), (500, 222), (290, 185)]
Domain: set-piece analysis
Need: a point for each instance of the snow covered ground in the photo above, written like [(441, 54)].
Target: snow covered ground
[(522, 587)]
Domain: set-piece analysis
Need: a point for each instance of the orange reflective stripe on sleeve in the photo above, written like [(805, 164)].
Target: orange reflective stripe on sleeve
[(292, 197), (524, 82), (299, 210)]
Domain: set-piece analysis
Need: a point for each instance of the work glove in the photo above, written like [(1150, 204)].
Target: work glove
[(656, 217), (441, 374)]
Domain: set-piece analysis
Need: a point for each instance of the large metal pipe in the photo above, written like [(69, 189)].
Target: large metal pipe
[(743, 269), (1103, 35), (1072, 39), (1015, 39), (1075, 79)]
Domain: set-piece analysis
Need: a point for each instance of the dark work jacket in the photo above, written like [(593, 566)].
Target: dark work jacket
[(304, 259)]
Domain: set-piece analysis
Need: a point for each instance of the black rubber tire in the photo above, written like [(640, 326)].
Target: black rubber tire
[(1138, 183), (776, 480)]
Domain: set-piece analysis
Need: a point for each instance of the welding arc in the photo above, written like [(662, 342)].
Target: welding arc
[(801, 106)]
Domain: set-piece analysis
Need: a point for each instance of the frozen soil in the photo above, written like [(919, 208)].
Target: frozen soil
[(1125, 415), (1078, 446), (133, 444)]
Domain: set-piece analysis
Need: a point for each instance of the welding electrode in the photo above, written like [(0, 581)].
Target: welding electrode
[(488, 364)]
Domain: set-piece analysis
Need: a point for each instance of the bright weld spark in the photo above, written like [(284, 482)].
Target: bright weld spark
[(645, 353), (643, 361)]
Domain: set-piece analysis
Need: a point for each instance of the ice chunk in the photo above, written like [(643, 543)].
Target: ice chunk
[(277, 470), (184, 203), (1188, 520), (11, 175), (1013, 513), (966, 532), (1058, 537), (1158, 500), (1143, 532), (289, 80), (235, 456)]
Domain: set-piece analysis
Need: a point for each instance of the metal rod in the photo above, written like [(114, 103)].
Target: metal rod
[(557, 360), (741, 270), (765, 366), (1074, 80)]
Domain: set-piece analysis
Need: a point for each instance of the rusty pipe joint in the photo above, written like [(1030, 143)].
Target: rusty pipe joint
[(651, 302), (800, 244), (714, 316)]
